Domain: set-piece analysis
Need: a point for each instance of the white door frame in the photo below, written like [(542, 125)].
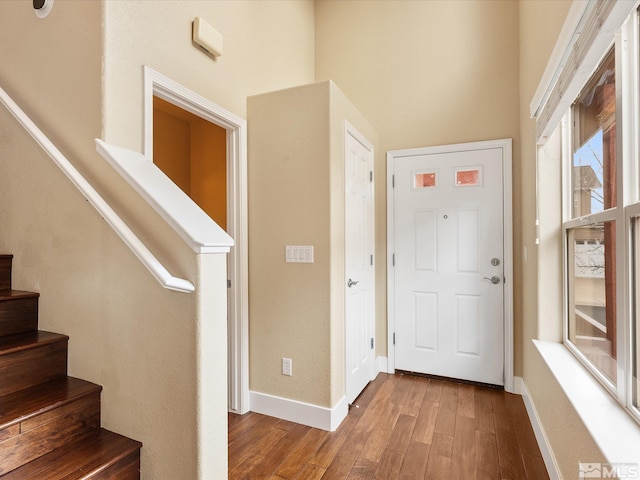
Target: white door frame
[(392, 156), (238, 304)]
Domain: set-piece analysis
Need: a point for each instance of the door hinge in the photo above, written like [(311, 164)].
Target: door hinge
[(371, 176), (394, 338), (371, 259), (228, 283), (371, 343)]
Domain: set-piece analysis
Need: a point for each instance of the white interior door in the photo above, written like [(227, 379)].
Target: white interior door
[(359, 270), (449, 258)]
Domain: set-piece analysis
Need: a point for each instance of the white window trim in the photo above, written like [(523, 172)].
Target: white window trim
[(626, 128), (605, 419), (585, 36)]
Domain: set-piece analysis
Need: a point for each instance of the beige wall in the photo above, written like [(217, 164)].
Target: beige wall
[(289, 304), (535, 50), (127, 333), (79, 74), (296, 185), (473, 68), (542, 317), (423, 73), (40, 69), (267, 46)]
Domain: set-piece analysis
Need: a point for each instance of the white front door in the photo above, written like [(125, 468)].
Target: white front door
[(359, 270), (449, 263)]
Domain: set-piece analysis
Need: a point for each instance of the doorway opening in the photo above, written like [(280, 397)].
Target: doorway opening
[(192, 152), (202, 148)]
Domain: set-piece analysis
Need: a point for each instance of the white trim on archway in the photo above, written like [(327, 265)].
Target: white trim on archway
[(236, 128)]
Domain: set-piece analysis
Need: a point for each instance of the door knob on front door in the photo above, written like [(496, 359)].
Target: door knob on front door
[(495, 279), (351, 283)]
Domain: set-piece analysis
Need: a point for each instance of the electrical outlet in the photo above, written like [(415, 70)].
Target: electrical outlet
[(286, 366)]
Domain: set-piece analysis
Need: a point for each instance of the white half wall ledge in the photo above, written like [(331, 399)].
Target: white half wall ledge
[(324, 418), (143, 254), (612, 428), (193, 225)]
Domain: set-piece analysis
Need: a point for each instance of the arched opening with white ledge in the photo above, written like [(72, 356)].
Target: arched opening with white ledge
[(157, 86)]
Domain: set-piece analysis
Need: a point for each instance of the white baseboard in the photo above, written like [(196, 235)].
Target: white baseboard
[(305, 413), (543, 443), (381, 365), (518, 386)]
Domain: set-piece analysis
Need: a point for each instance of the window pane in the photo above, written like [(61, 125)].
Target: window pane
[(594, 155), (592, 295)]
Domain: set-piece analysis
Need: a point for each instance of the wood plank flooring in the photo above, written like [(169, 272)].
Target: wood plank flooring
[(407, 427)]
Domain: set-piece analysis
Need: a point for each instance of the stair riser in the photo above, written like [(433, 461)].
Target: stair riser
[(126, 469), (18, 315), (5, 272), (42, 434), (26, 368)]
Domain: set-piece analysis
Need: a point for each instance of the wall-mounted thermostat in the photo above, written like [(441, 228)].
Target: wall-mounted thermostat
[(207, 37)]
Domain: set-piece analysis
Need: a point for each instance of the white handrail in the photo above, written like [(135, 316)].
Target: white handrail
[(124, 232)]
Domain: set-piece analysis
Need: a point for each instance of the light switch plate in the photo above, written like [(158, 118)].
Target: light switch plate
[(299, 253)]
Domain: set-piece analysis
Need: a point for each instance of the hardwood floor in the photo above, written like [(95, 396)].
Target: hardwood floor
[(407, 427)]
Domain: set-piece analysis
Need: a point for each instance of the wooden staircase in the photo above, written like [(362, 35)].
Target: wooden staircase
[(49, 422)]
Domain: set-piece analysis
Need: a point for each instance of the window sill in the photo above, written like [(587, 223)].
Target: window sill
[(612, 428)]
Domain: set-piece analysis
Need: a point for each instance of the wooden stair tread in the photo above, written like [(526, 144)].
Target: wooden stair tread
[(24, 404), (7, 295), (50, 422), (23, 341), (81, 460)]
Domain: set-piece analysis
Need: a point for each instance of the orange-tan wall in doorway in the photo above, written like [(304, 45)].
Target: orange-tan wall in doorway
[(172, 147), (209, 169), (193, 153)]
